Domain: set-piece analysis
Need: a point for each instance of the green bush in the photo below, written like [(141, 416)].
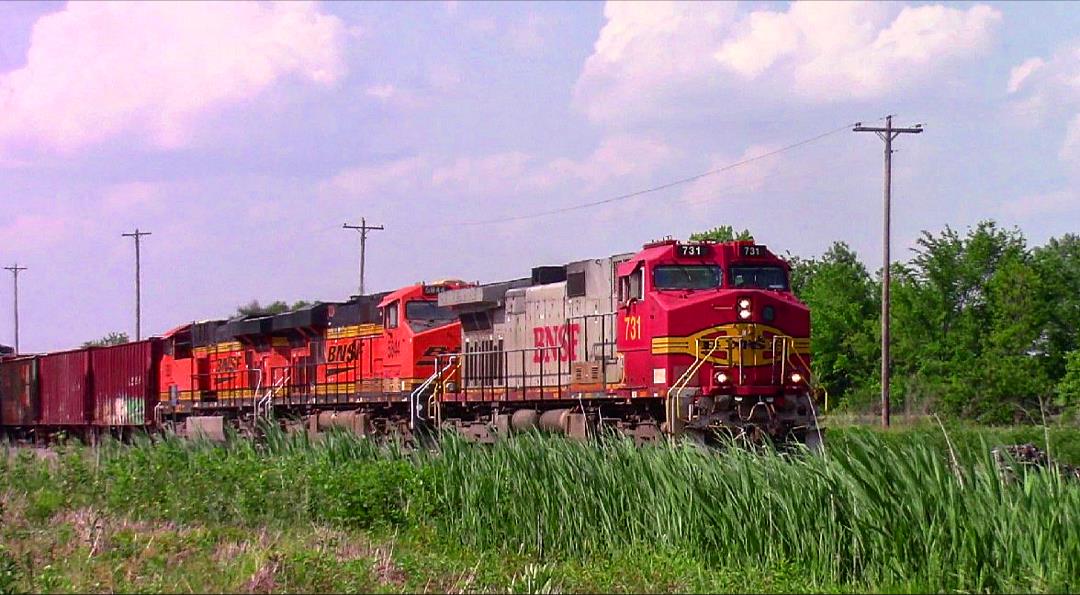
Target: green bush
[(365, 494)]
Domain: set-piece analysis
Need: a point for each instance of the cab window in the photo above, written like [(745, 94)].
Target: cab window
[(390, 316), (424, 315), (427, 310), (759, 277), (681, 276), (632, 286)]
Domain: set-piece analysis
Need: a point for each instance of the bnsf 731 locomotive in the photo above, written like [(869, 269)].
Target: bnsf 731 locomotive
[(679, 338)]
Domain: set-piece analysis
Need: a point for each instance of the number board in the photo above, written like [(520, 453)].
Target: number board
[(755, 250), (693, 250), (434, 289)]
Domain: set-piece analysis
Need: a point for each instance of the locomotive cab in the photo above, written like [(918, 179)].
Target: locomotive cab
[(416, 330)]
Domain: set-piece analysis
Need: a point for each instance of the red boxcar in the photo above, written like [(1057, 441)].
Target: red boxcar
[(64, 388), (125, 383), (19, 405)]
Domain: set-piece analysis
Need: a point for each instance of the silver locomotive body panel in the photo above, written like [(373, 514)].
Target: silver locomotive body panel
[(541, 335)]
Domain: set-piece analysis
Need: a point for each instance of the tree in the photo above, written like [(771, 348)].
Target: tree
[(113, 338), (254, 308), (841, 298), (1068, 389), (802, 271), (723, 233), (1057, 264), (967, 314)]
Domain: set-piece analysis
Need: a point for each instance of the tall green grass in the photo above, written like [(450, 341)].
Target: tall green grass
[(874, 513)]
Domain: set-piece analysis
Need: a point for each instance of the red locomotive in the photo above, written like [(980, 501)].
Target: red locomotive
[(679, 338)]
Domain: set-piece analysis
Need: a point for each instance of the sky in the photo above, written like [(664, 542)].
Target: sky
[(242, 136)]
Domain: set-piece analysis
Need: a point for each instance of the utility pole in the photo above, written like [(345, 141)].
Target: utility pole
[(15, 268), (363, 228), (887, 134), (138, 289)]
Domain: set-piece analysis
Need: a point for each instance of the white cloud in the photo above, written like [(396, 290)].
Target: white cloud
[(383, 92), (1070, 149), (651, 54), (616, 156), (444, 76), (1022, 72), (1049, 90), (31, 232), (482, 25), (97, 70), (1048, 203), (400, 177), (503, 174), (527, 36), (131, 196)]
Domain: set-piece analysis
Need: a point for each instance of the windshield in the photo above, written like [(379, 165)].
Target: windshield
[(686, 277), (758, 277), (417, 310)]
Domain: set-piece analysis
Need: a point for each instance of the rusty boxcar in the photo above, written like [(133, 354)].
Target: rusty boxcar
[(64, 388), (125, 383), (19, 404)]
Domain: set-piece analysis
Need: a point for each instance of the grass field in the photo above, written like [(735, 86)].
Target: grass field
[(881, 511)]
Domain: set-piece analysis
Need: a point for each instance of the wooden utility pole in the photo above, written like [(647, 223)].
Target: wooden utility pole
[(363, 228), (887, 134), (15, 269), (138, 289)]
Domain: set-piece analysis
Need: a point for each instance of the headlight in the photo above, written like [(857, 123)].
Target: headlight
[(744, 314), (744, 304), (796, 378), (721, 377)]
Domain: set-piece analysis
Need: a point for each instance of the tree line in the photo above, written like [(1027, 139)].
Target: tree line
[(983, 326)]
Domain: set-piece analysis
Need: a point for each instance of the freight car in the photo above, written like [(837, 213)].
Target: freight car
[(695, 338)]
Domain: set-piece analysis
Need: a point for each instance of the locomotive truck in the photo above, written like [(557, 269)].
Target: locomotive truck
[(679, 338)]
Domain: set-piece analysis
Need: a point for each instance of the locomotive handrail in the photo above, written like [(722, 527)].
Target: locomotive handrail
[(434, 405), (671, 406), (266, 402), (504, 375), (414, 396), (255, 395)]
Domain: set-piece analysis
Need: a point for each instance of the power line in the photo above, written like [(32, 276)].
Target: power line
[(660, 187), (15, 269), (886, 133)]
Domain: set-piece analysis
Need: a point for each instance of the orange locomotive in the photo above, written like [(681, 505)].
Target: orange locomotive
[(329, 357)]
